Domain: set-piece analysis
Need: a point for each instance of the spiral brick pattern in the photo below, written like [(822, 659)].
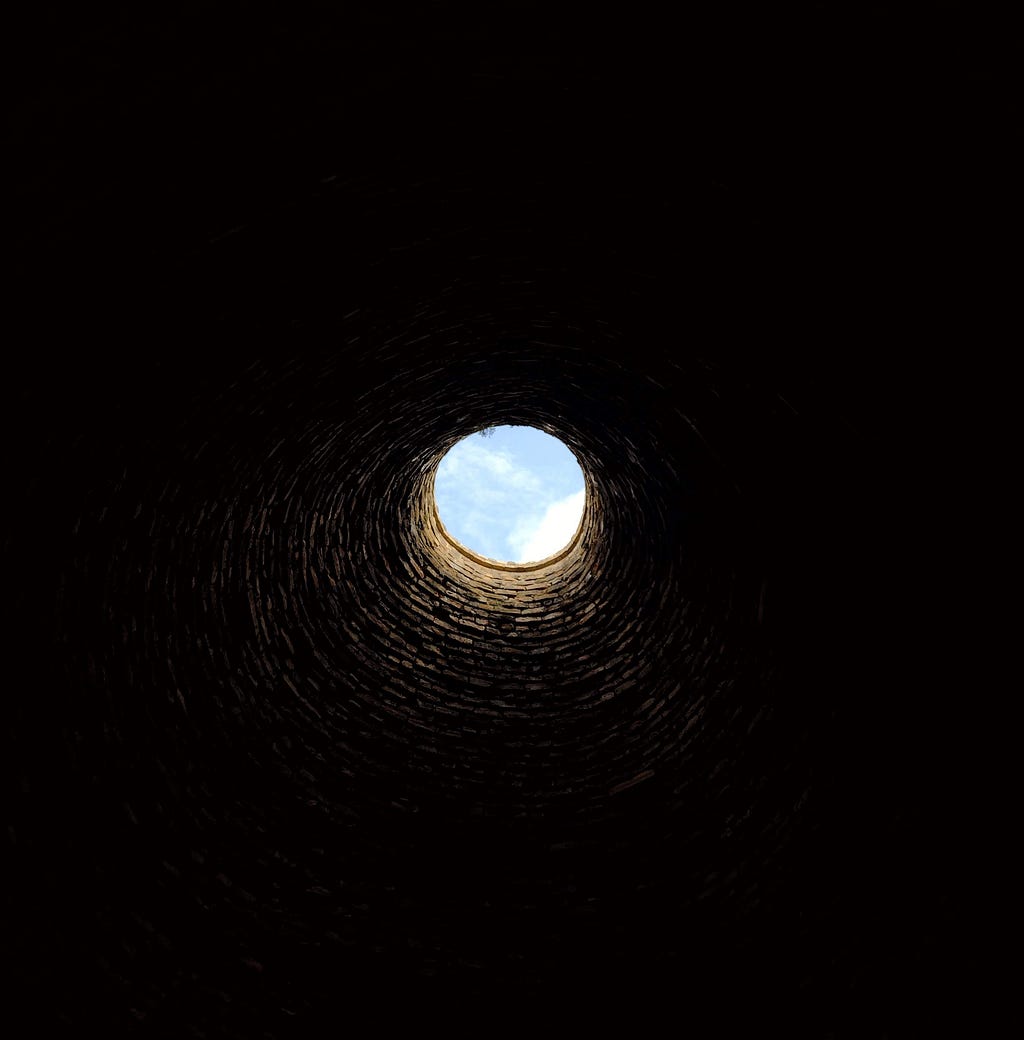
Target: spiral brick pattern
[(290, 762), (316, 721)]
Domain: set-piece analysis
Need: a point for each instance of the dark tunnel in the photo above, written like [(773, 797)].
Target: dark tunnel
[(288, 762)]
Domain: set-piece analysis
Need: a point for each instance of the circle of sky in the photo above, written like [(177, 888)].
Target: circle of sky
[(513, 494)]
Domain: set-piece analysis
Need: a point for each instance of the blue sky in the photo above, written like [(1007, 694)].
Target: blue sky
[(516, 495)]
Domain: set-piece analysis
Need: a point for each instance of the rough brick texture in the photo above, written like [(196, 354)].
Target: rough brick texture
[(286, 762)]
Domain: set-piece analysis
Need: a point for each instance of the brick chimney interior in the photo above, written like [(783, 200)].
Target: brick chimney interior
[(286, 758)]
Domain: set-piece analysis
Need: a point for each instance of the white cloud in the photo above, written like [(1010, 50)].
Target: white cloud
[(534, 540), (476, 462)]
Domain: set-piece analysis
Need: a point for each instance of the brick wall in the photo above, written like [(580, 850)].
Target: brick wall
[(289, 762)]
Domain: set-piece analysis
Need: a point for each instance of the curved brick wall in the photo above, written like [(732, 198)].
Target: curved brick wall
[(320, 742), (287, 761)]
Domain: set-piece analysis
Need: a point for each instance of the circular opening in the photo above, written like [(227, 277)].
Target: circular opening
[(511, 494)]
